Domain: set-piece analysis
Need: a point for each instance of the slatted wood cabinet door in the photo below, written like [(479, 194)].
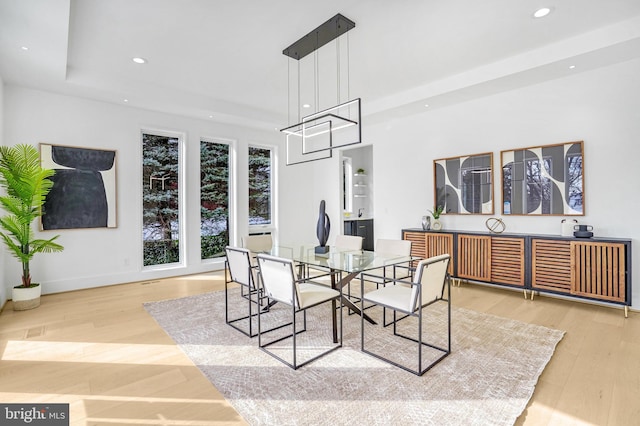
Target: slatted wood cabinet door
[(437, 244), (417, 245), (474, 257), (551, 265), (508, 261), (429, 244), (598, 270)]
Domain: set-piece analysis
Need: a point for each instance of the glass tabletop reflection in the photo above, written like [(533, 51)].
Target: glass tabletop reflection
[(337, 258)]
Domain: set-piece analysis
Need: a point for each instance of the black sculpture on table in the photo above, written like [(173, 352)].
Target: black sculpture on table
[(322, 230)]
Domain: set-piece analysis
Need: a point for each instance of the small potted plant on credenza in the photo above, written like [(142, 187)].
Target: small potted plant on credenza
[(26, 185), (436, 225)]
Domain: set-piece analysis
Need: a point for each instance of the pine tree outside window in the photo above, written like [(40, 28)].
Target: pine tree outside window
[(161, 199), (214, 198), (260, 186)]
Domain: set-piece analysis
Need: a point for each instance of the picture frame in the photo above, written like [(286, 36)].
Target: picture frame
[(543, 180), (464, 185), (83, 194)]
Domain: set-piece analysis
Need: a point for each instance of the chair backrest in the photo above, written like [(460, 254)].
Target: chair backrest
[(399, 247), (239, 261), (348, 242), (431, 273), (257, 243), (394, 248), (279, 279)]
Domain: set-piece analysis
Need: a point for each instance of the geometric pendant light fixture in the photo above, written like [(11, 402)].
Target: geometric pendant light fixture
[(314, 136)]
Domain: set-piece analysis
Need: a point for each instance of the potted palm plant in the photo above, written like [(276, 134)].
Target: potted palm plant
[(26, 185)]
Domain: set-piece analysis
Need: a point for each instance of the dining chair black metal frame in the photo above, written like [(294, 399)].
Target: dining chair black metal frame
[(381, 278), (274, 286), (239, 270), (255, 243), (414, 306)]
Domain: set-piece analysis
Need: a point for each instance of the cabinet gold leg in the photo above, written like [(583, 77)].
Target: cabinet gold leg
[(532, 294), (525, 294), (626, 312)]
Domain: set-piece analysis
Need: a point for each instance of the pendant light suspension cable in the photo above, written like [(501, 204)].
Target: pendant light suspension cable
[(338, 69), (348, 69), (315, 75), (289, 92), (298, 106)]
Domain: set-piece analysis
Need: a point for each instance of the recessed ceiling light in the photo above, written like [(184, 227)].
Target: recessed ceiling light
[(24, 48), (139, 60), (126, 100), (426, 105), (211, 116), (306, 106), (571, 67), (541, 12)]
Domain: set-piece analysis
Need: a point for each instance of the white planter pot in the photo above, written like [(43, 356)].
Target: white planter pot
[(26, 298)]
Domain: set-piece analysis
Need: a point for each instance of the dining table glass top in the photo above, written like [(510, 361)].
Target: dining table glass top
[(337, 258)]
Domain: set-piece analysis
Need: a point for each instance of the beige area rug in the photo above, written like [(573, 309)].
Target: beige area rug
[(488, 378)]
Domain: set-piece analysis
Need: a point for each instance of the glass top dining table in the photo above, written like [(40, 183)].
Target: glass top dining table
[(339, 259), (343, 265)]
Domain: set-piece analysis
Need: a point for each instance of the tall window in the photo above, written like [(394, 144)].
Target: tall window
[(214, 198), (160, 195), (260, 190)]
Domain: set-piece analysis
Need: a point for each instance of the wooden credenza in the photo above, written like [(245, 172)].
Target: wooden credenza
[(597, 269)]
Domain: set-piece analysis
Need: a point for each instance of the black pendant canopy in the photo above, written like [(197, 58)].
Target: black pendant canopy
[(328, 31)]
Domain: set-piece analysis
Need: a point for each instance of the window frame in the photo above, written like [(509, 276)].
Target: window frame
[(232, 198), (182, 229), (271, 227)]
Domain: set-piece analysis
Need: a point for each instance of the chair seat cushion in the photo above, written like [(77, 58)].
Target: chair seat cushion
[(393, 296), (312, 294)]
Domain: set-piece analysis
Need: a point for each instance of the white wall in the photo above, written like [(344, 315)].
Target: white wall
[(297, 202), (3, 289), (600, 107), (302, 187), (94, 257)]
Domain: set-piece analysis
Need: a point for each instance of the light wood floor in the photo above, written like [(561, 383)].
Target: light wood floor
[(101, 352)]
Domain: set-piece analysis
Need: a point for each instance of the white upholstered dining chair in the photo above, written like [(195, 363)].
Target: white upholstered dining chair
[(383, 275), (348, 242), (411, 301), (280, 282), (239, 270), (257, 243), (400, 248)]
